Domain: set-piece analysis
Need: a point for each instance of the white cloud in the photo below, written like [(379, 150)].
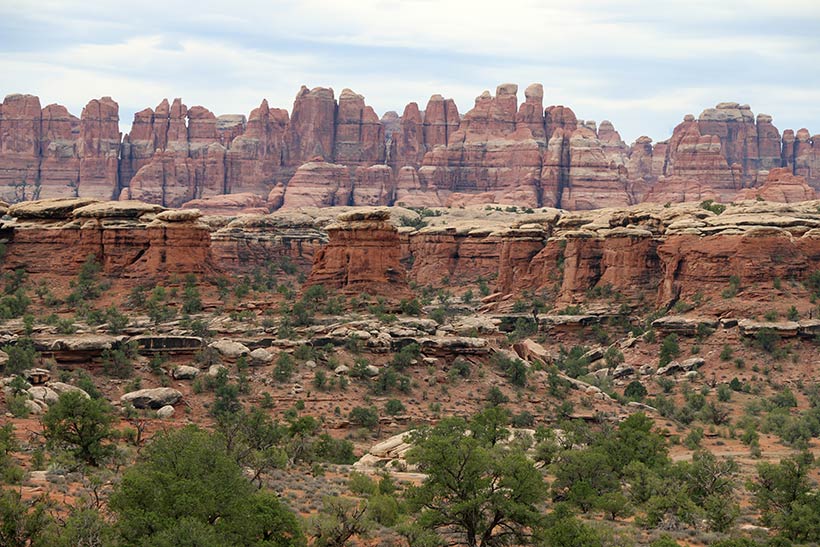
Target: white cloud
[(643, 64)]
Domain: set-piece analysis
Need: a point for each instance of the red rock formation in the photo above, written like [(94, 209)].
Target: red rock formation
[(680, 190), (411, 193), (460, 256), (168, 161), (407, 142), (373, 186), (594, 180), (318, 184), (560, 123), (60, 163), (768, 144), (256, 158), (359, 138), (20, 127), (695, 264), (362, 255), (531, 112), (806, 157), (695, 156), (99, 149), (735, 126), (780, 186), (65, 232), (487, 158), (440, 120), (228, 127), (639, 168), (312, 128), (499, 152)]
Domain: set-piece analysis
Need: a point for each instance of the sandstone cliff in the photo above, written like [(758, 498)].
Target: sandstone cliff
[(333, 151)]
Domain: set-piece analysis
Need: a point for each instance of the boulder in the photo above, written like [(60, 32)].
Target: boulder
[(35, 407), (60, 388), (214, 370), (41, 393), (529, 350), (230, 349), (152, 397), (185, 372), (260, 357), (166, 411)]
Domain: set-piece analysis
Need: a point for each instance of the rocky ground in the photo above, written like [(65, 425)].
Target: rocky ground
[(700, 319)]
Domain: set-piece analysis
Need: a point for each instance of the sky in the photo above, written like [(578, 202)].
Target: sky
[(642, 64)]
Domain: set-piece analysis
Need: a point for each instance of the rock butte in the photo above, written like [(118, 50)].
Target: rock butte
[(329, 152), (646, 252)]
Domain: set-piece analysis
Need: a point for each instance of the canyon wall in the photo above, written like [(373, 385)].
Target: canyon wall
[(647, 253), (330, 151)]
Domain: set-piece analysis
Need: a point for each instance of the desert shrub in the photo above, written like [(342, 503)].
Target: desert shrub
[(364, 417), (394, 406), (669, 349), (710, 205), (635, 391)]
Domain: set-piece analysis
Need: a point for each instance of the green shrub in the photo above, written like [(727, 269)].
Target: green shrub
[(284, 368), (22, 356), (669, 349), (635, 391), (364, 417), (394, 406), (710, 205)]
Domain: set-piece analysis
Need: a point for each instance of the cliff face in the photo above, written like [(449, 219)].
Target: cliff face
[(650, 254), (362, 256), (333, 152), (130, 239)]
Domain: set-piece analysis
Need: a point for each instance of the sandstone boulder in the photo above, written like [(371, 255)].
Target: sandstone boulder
[(230, 349), (185, 372), (152, 398)]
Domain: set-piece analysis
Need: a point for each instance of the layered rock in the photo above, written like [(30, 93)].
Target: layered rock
[(250, 242), (781, 186), (441, 119), (99, 149), (500, 152), (359, 138), (362, 256), (59, 170), (596, 178), (129, 239), (312, 129), (801, 153), (20, 127), (169, 161), (488, 160), (407, 145), (255, 160), (319, 184)]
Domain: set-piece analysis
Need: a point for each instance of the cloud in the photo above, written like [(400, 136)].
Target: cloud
[(642, 64)]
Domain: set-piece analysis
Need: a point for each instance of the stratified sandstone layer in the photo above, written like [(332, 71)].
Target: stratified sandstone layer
[(362, 256), (331, 151), (129, 239), (646, 253)]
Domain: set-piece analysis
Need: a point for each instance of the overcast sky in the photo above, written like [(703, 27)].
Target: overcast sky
[(642, 64)]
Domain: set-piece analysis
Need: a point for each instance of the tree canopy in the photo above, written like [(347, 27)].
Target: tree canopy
[(188, 490), (477, 490)]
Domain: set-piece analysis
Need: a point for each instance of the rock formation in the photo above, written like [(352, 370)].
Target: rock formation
[(129, 239), (338, 152), (362, 256), (645, 253), (781, 186)]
